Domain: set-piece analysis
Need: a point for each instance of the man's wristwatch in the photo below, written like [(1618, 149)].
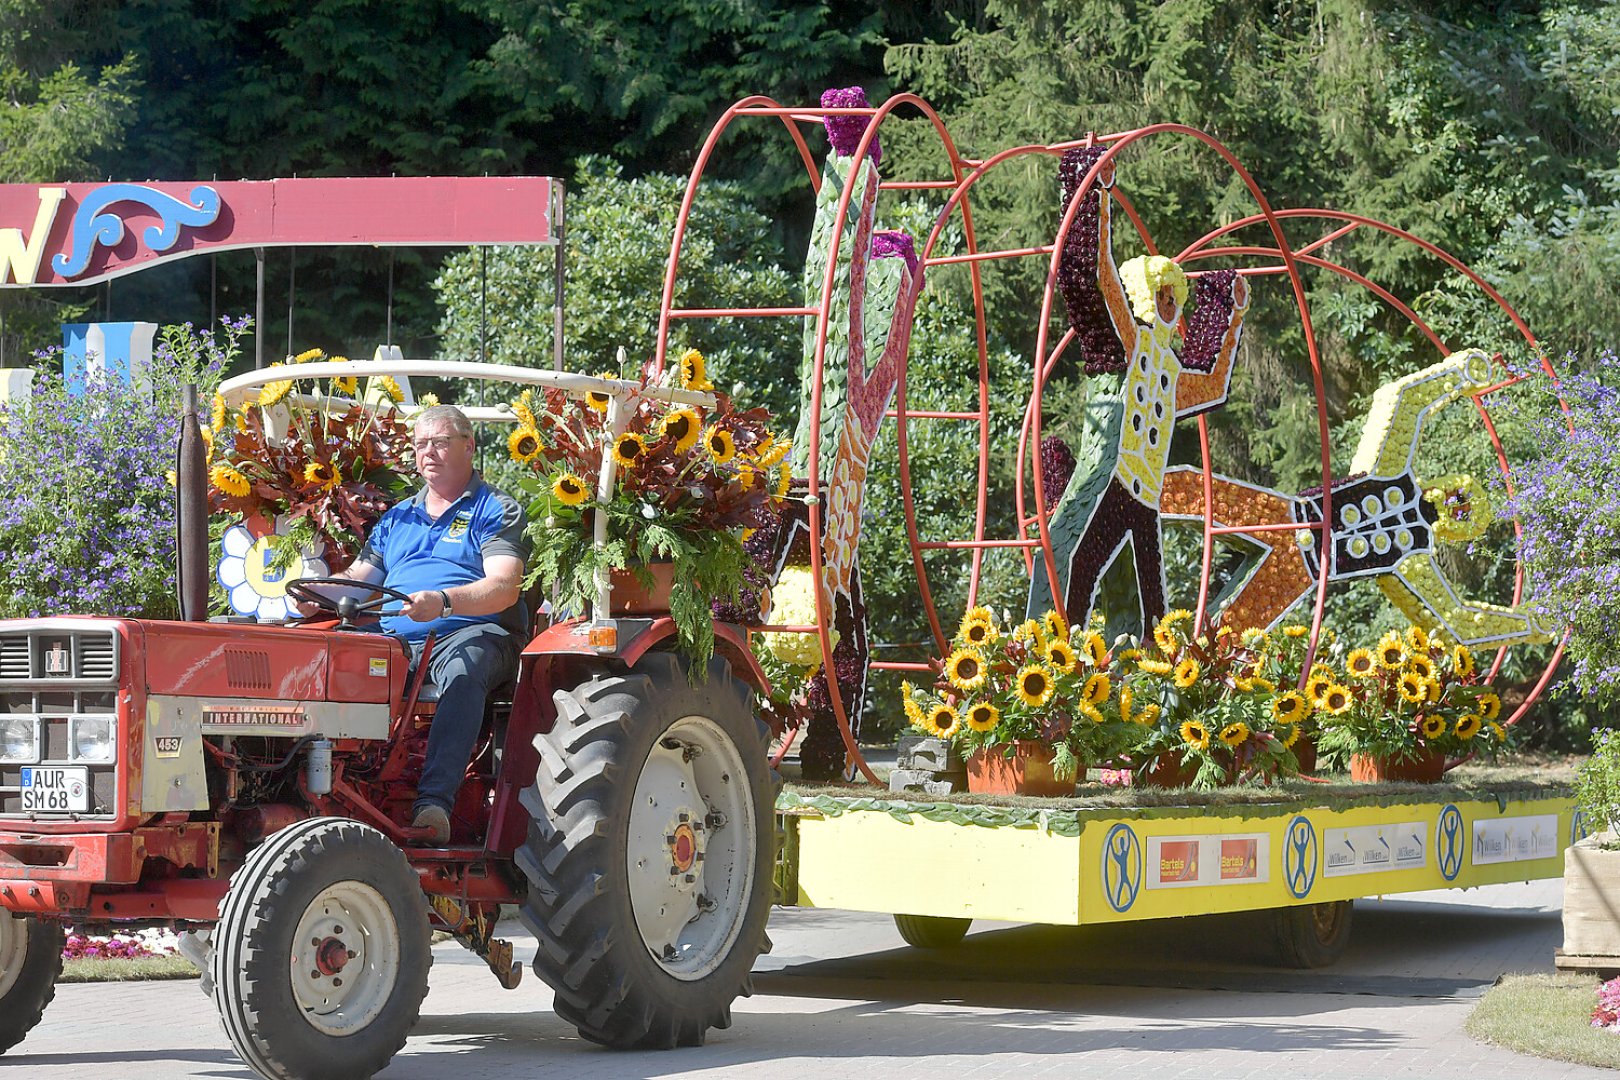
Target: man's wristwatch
[(444, 598)]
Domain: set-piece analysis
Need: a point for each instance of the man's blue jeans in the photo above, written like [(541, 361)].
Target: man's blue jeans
[(466, 665)]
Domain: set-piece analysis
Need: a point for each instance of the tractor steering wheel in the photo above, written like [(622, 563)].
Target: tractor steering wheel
[(346, 608)]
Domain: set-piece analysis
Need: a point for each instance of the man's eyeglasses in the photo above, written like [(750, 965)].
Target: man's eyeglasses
[(440, 443)]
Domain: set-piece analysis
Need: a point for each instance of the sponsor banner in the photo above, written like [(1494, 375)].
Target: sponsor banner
[(1223, 859), (1370, 849), (1514, 839)]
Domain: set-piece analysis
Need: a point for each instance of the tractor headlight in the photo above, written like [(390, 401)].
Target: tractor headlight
[(19, 739), (92, 738)]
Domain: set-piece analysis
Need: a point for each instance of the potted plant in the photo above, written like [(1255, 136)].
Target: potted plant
[(1205, 712), (1404, 708), (689, 482), (1027, 709), (1592, 864)]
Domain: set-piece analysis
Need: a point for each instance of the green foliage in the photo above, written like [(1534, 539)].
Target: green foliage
[(1597, 783)]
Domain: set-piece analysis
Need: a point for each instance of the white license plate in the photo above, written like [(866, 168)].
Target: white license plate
[(55, 790)]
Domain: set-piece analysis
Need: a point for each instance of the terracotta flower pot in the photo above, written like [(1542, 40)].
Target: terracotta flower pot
[(1028, 771), (630, 597), (1427, 767)]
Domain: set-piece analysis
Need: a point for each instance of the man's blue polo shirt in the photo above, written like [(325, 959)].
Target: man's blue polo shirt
[(416, 552)]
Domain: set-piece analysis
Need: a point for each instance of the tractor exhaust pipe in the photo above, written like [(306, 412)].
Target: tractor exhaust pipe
[(191, 512)]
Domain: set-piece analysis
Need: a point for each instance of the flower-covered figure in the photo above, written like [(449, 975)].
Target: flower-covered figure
[(1126, 320)]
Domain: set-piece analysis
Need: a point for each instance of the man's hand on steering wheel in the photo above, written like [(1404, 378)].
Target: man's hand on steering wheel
[(345, 607)]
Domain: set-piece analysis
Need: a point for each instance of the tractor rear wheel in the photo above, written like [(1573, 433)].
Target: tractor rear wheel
[(650, 852), (30, 963), (321, 955), (931, 931), (1312, 935)]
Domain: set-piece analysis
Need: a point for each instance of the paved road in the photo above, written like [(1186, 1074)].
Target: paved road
[(842, 997)]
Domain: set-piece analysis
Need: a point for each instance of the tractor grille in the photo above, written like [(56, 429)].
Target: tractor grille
[(50, 675)]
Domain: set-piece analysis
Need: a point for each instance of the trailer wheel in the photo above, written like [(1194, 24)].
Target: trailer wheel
[(1312, 935), (321, 956), (30, 963), (650, 852), (931, 931)]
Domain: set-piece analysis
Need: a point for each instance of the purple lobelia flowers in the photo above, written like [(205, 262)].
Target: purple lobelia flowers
[(844, 132)]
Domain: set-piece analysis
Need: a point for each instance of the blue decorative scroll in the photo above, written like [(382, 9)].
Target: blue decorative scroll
[(91, 226)]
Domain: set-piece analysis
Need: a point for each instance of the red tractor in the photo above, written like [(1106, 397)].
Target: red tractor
[(253, 784)]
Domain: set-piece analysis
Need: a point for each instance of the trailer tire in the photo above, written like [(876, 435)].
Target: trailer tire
[(931, 931), (30, 964), (337, 905), (650, 852), (1312, 935)]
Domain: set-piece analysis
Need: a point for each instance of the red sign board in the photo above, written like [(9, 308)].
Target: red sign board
[(76, 234)]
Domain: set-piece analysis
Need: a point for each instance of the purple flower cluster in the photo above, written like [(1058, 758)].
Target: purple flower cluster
[(114, 947), (1210, 317), (844, 132), (892, 243), (1057, 467), (1607, 1013), (1100, 348)]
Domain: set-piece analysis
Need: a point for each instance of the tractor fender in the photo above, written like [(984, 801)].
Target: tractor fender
[(637, 637)]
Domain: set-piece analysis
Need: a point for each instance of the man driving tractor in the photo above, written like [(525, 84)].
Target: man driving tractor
[(457, 548)]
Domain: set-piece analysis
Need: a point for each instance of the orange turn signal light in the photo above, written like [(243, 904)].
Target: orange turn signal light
[(604, 637)]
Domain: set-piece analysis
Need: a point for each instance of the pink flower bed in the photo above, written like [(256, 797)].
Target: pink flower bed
[(128, 946), (1607, 1013)]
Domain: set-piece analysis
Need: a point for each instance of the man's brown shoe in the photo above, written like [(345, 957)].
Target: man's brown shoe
[(435, 818)]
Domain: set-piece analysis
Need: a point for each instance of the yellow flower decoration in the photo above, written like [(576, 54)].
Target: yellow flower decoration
[(1433, 726), (1060, 654), (1090, 712), (309, 356), (1391, 651), (1155, 667), (217, 414), (784, 479), (1029, 630), (272, 392), (1056, 628), (1034, 685), (965, 670), (681, 427), (629, 449), (1462, 662), (569, 489), (428, 401), (1336, 699), (1260, 683), (975, 616), (1187, 673), (1235, 734), (522, 408), (1148, 716), (720, 445), (1165, 638), (1292, 736), (1179, 615), (694, 374), (1420, 665), (1096, 649), (1289, 707), (1361, 664), (229, 481), (1468, 726), (908, 701), (1498, 732), (1316, 686), (348, 384), (321, 475), (1490, 706), (598, 399), (390, 386), (1433, 687), (1253, 638), (983, 717), (1417, 639), (1195, 735), (1097, 689), (1412, 688), (524, 445), (977, 634), (942, 722), (1295, 630)]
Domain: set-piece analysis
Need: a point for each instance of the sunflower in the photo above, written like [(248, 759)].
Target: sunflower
[(309, 356), (1096, 649), (1187, 673), (598, 399), (629, 449), (1462, 661), (908, 701), (1195, 735), (1125, 703), (1420, 665), (720, 445), (228, 480), (569, 489), (1317, 685), (272, 392), (348, 384), (1165, 638), (1252, 637), (1235, 734), (965, 669), (1289, 707), (1361, 663), (942, 722), (1417, 639), (1029, 630), (428, 401), (522, 408), (1290, 735), (1097, 689), (1176, 616), (983, 717), (1034, 685), (1056, 628), (1434, 690), (1433, 726), (217, 414), (1263, 684), (1498, 732), (1060, 654), (1490, 706), (694, 375), (524, 445), (681, 427), (1295, 631), (1336, 699), (321, 475), (981, 616), (1148, 716), (1468, 726), (1412, 688), (1391, 651), (1155, 667), (1091, 712), (390, 386), (784, 479)]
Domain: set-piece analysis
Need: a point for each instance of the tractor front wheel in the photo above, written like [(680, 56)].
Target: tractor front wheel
[(320, 959), (650, 852), (1312, 935), (30, 963)]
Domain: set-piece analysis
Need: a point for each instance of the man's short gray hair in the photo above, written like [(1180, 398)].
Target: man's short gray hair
[(448, 415)]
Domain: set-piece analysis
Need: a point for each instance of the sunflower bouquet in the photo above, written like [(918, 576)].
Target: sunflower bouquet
[(689, 482), (1044, 682), (324, 462), (1206, 712), (1409, 697)]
